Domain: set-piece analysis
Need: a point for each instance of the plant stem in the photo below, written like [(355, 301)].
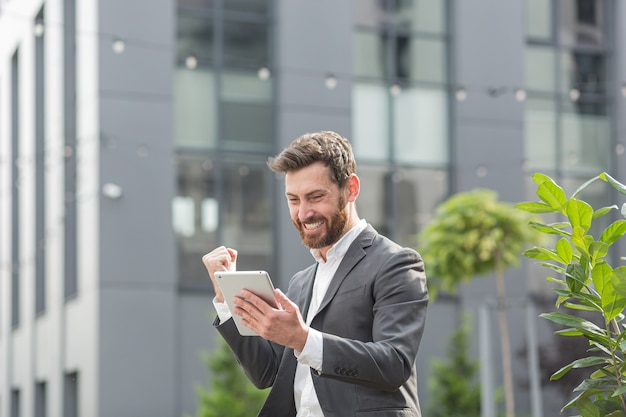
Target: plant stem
[(616, 368)]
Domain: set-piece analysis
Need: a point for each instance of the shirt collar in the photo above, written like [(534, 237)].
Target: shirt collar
[(339, 249)]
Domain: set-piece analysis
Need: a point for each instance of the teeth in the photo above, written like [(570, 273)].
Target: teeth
[(311, 226)]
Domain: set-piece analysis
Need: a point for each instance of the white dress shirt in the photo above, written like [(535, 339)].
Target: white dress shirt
[(311, 356)]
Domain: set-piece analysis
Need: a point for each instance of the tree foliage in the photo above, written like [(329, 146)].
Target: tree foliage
[(230, 393), (472, 234), (455, 392)]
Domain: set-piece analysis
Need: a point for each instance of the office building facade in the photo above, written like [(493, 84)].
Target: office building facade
[(134, 137)]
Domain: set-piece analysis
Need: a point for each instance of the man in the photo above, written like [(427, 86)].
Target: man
[(344, 339)]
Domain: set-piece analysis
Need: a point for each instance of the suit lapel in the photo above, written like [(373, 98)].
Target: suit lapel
[(353, 256)]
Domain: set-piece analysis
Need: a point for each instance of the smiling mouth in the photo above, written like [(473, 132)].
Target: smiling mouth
[(312, 226)]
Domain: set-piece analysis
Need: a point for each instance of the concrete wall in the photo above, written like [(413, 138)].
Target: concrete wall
[(138, 339)]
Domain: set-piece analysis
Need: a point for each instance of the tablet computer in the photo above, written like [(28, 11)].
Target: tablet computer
[(232, 282)]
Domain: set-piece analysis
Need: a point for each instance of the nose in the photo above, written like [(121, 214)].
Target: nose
[(304, 211)]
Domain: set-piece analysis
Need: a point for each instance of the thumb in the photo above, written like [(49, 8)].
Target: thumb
[(233, 255), (282, 299)]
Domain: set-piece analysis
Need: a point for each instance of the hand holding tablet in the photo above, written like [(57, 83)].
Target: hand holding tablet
[(232, 282)]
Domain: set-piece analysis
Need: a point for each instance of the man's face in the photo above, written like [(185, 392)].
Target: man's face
[(316, 205)]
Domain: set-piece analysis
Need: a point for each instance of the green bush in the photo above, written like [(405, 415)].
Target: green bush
[(230, 393), (453, 388)]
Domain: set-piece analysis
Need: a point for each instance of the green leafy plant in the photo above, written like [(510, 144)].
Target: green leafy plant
[(230, 393), (586, 281), (472, 234), (455, 392)]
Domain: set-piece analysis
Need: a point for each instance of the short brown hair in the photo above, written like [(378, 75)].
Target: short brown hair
[(325, 146)]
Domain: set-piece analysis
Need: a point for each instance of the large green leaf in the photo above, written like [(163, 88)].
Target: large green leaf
[(618, 280), (564, 250), (614, 183), (579, 363), (613, 232), (553, 195), (612, 303), (604, 210), (587, 408), (534, 207), (542, 254), (579, 213), (576, 277), (551, 229)]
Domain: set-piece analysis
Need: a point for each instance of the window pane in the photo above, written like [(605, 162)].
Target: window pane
[(418, 191), (540, 131), (539, 19), (420, 59), (196, 186), (196, 3), (583, 71), (540, 68), (586, 138), (372, 203), (369, 54), (582, 22), (421, 126), (421, 15), (256, 6), (195, 38), (370, 122), (246, 44), (247, 214), (246, 106), (195, 108), (370, 13)]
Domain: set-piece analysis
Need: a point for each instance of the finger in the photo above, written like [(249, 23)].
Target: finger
[(257, 302), (282, 299), (233, 255)]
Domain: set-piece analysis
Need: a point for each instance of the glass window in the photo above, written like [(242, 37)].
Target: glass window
[(586, 136), (370, 121), (237, 214), (418, 191), (195, 108), (421, 15), (255, 6), (539, 19), (402, 202), (540, 68), (195, 38), (372, 204), (192, 220), (246, 44), (196, 3), (421, 59), (246, 112), (421, 126), (370, 13), (540, 130), (369, 54), (581, 22), (246, 214), (583, 71)]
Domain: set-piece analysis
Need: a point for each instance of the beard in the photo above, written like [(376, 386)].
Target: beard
[(335, 228)]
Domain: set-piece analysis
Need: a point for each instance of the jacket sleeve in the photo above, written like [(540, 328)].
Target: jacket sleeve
[(385, 358), (258, 357)]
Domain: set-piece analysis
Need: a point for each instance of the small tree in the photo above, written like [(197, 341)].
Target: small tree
[(453, 386), (472, 234), (587, 282), (230, 393)]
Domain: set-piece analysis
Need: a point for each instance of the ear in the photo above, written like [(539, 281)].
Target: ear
[(354, 187)]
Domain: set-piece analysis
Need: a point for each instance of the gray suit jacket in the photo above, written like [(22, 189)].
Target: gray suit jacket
[(372, 318)]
